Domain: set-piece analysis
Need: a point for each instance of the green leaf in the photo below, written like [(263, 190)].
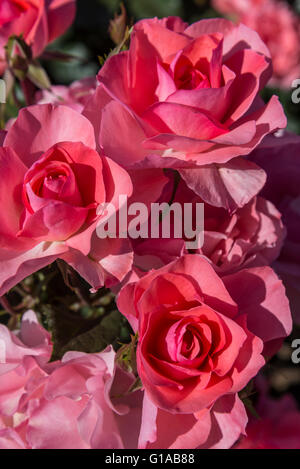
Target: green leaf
[(63, 327), (74, 333), (92, 341)]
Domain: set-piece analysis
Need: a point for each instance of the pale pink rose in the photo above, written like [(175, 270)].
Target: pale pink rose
[(38, 21), (145, 426), (187, 97), (280, 157), (21, 358), (277, 425), (279, 28), (252, 236), (74, 410), (200, 337), (62, 405), (74, 96), (52, 182)]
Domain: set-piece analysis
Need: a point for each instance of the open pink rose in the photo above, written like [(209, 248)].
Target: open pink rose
[(187, 97), (53, 181), (62, 405), (38, 21), (74, 96), (252, 236), (279, 28), (74, 410), (200, 337)]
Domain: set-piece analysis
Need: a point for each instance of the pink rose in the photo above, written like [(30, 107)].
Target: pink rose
[(209, 76), (252, 236), (200, 337), (62, 405), (74, 96), (213, 428), (74, 410), (280, 158), (39, 21), (145, 426), (279, 29), (52, 183), (21, 358)]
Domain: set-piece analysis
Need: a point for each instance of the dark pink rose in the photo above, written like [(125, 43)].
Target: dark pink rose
[(58, 405), (279, 29), (188, 97), (38, 21), (200, 337), (53, 181)]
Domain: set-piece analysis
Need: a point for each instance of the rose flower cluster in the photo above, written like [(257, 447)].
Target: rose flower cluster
[(174, 116)]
